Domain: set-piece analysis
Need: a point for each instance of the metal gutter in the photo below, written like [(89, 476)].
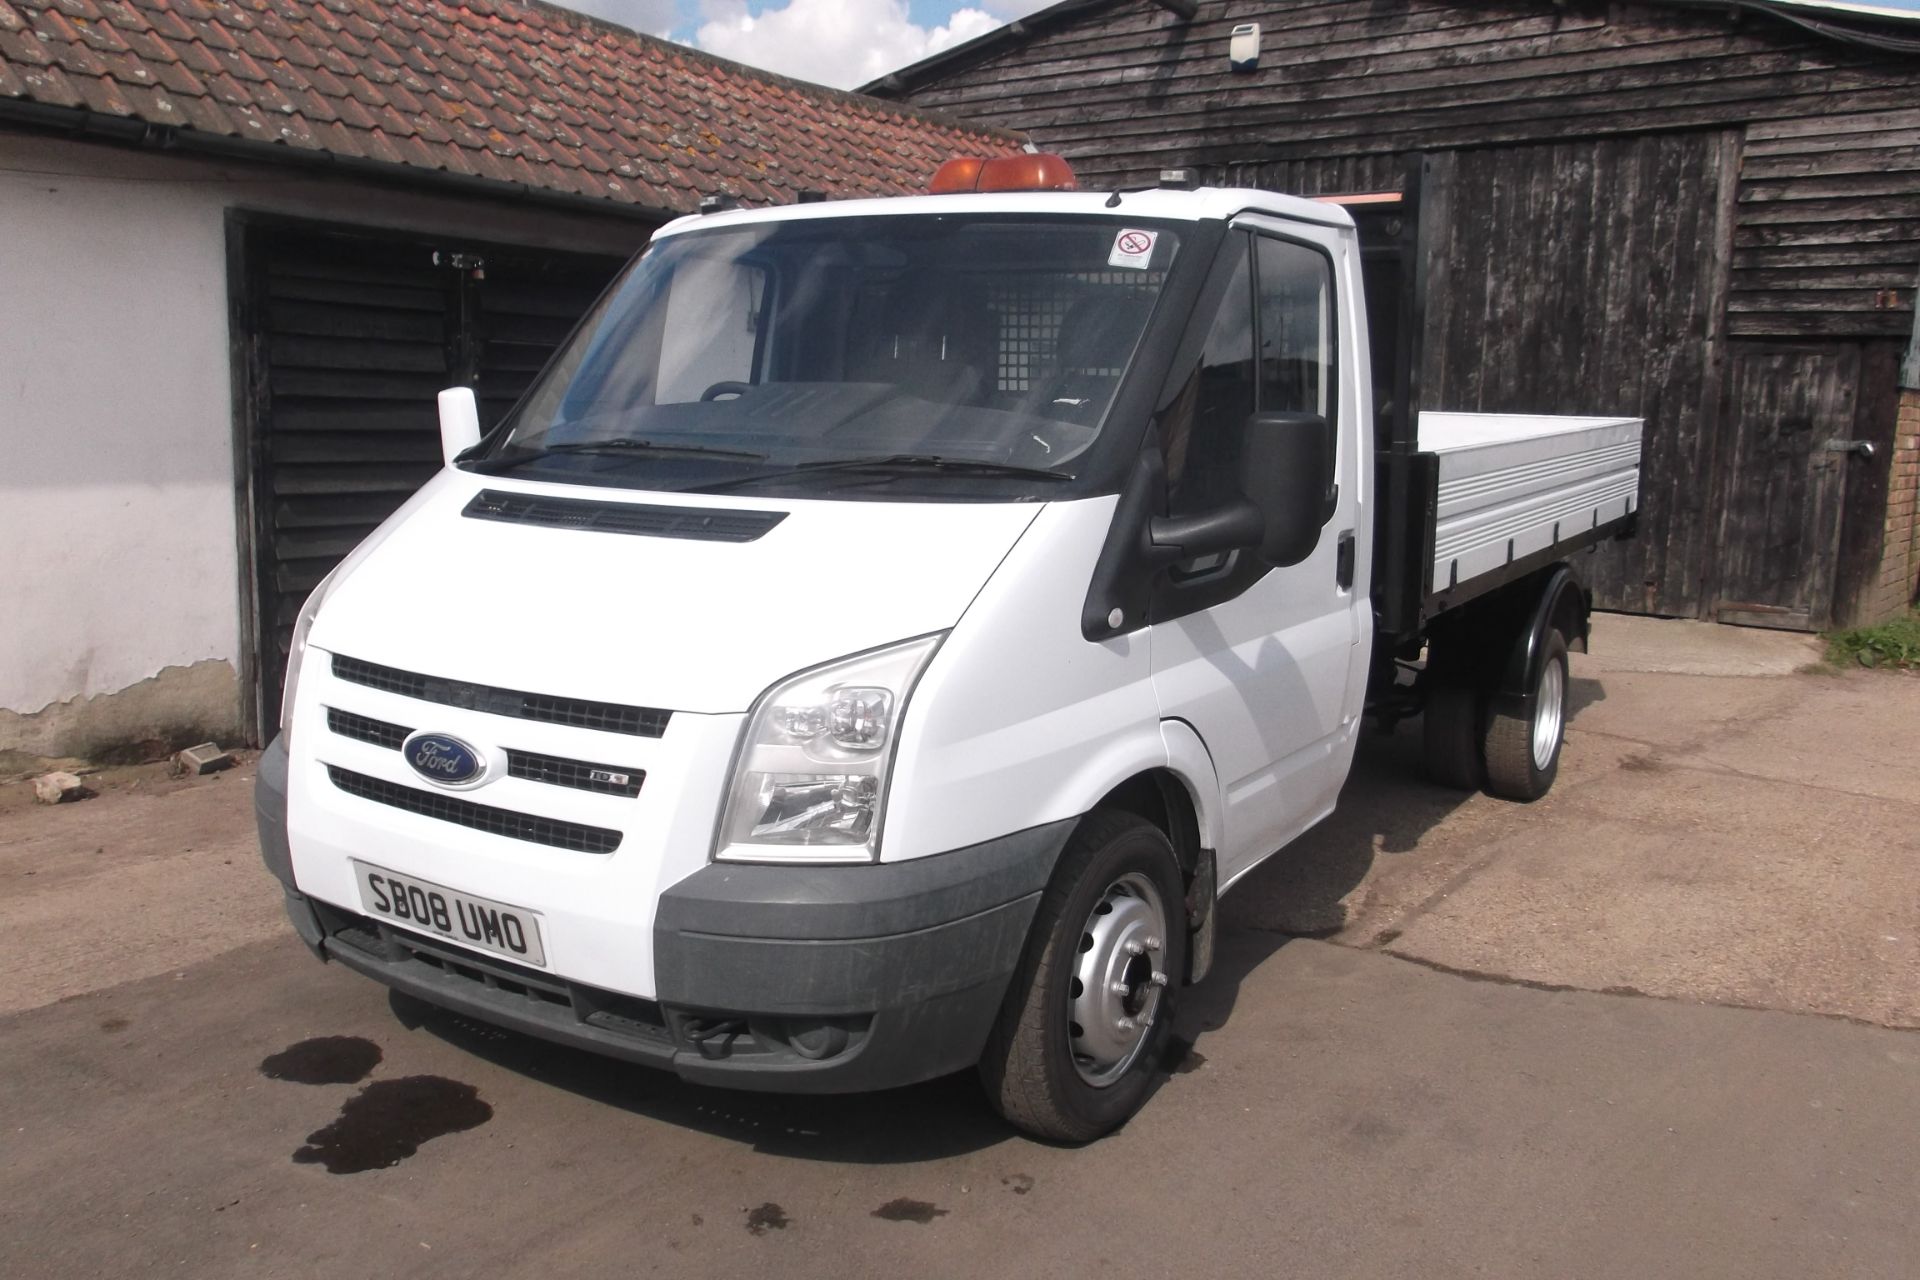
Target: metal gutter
[(79, 122)]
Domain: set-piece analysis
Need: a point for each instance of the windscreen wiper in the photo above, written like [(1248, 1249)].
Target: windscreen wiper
[(618, 444), (902, 463)]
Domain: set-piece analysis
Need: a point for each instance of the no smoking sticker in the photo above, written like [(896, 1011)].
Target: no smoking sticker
[(1132, 249)]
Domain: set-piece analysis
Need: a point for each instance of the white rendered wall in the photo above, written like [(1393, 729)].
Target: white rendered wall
[(116, 449), (121, 558)]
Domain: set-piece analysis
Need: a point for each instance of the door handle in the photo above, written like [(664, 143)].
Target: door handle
[(1859, 448), (1343, 561)]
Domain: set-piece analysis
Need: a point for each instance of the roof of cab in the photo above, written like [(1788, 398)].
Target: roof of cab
[(1160, 204)]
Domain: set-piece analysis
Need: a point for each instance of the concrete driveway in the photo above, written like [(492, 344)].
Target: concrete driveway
[(1436, 1082)]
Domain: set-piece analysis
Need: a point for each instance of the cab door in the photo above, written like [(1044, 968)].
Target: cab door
[(1267, 664)]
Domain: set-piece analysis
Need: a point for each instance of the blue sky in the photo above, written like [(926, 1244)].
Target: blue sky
[(843, 43)]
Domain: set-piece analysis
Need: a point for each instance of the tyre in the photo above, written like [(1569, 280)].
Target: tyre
[(1450, 736), (1087, 1015), (1523, 752)]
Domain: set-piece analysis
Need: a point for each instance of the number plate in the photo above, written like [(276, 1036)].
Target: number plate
[(480, 923)]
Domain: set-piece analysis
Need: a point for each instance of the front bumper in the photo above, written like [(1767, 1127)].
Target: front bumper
[(794, 979)]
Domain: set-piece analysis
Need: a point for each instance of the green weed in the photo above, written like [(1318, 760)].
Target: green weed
[(1891, 644)]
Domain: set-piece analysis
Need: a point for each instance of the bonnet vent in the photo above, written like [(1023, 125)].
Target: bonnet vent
[(699, 524)]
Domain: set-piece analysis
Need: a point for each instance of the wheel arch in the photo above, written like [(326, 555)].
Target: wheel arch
[(1169, 800), (1161, 797), (1561, 606)]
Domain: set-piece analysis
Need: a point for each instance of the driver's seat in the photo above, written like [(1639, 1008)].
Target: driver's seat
[(936, 341)]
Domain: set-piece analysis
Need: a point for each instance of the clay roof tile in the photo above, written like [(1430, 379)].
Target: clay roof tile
[(502, 89)]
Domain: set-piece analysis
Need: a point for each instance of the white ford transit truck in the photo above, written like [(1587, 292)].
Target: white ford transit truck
[(886, 627)]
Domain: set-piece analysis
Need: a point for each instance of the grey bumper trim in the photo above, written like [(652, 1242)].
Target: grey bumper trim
[(757, 900), (270, 815), (270, 810), (906, 963)]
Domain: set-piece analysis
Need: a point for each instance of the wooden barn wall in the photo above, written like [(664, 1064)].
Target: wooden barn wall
[(1829, 217), (1578, 278), (1829, 229)]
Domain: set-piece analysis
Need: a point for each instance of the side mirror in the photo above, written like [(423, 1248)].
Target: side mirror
[(459, 422), (1237, 525), (1286, 470)]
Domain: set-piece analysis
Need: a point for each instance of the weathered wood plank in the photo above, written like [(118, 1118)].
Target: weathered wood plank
[(1898, 301), (1816, 278), (1750, 235), (1829, 186), (1788, 258), (1828, 143), (1826, 126), (1836, 161), (1813, 324), (1856, 210)]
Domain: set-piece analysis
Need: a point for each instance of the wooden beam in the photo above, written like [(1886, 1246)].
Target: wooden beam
[(1361, 198)]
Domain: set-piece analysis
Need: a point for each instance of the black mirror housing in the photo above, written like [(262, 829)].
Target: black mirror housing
[(1233, 527), (1287, 472)]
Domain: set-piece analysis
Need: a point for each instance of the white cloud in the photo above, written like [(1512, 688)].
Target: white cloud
[(842, 43), (1008, 10), (651, 17)]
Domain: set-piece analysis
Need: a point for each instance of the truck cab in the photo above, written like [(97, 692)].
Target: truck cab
[(868, 649)]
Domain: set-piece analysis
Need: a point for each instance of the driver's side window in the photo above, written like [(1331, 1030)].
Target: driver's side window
[(1203, 429), (1270, 349)]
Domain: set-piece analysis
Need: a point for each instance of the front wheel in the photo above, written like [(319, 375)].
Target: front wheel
[(1523, 751), (1079, 1037)]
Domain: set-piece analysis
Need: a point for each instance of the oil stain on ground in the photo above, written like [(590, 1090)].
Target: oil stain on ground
[(768, 1217), (388, 1121), (905, 1210), (323, 1060)]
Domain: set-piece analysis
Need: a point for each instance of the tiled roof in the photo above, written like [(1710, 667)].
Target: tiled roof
[(494, 89)]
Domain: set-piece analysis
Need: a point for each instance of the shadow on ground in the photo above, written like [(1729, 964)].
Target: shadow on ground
[(941, 1118)]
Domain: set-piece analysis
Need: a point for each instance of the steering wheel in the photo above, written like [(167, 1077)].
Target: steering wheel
[(719, 389)]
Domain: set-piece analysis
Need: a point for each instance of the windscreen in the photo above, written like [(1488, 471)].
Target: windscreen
[(974, 356)]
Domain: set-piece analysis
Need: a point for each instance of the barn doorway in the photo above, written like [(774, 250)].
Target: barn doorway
[(1590, 277), (1791, 416), (342, 339)]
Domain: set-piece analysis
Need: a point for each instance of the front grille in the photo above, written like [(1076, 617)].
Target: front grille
[(480, 817), (366, 729), (701, 524), (580, 774), (557, 771), (578, 713)]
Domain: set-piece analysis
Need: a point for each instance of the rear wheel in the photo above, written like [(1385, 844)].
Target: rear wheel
[(1523, 751), (1073, 1053), (1450, 736)]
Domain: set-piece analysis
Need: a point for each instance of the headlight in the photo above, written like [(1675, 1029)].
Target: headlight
[(297, 652), (810, 779)]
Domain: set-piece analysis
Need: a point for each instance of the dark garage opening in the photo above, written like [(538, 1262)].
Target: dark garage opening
[(342, 339)]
